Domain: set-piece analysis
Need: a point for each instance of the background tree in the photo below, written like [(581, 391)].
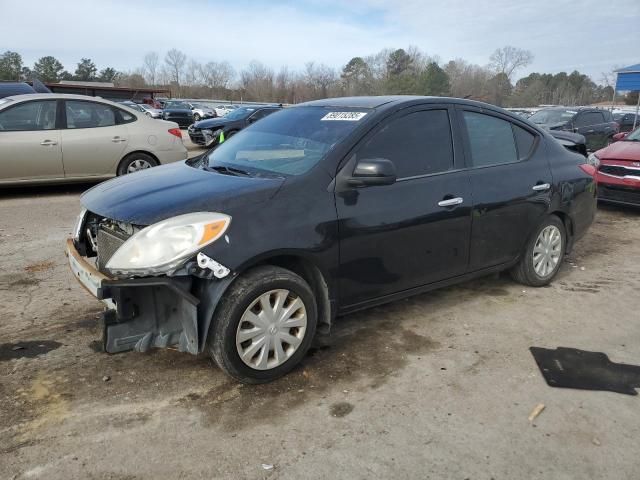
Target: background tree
[(10, 66), (356, 77), (150, 68), (434, 81), (507, 60), (86, 70), (108, 74), (175, 61), (48, 69)]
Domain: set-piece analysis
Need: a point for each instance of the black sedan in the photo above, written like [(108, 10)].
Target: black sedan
[(178, 112), (216, 130), (319, 210)]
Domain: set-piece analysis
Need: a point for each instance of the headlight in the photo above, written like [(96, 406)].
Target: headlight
[(163, 246), (593, 159)]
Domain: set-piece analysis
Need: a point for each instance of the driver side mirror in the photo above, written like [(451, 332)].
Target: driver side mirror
[(372, 172)]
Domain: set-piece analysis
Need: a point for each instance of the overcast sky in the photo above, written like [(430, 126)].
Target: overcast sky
[(591, 36)]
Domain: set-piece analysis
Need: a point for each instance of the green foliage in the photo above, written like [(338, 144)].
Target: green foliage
[(48, 69), (108, 75), (10, 66), (434, 81), (86, 70)]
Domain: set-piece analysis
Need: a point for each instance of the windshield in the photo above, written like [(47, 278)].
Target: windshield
[(240, 113), (178, 105), (288, 142), (549, 117), (633, 136)]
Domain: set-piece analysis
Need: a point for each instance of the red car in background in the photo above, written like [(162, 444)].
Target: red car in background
[(618, 173)]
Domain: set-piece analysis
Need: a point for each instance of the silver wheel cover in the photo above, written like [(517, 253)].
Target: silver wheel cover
[(547, 251), (271, 329)]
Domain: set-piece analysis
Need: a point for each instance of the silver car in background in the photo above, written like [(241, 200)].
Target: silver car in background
[(150, 111), (57, 138)]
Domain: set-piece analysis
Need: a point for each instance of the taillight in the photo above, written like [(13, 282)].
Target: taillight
[(176, 132), (588, 169)]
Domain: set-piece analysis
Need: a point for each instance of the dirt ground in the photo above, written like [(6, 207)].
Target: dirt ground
[(436, 386)]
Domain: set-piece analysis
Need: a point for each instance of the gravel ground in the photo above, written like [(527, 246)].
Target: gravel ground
[(436, 386)]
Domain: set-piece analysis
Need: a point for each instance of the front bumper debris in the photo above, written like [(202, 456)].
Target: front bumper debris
[(142, 312)]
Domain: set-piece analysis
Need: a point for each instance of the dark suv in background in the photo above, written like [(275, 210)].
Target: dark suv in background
[(214, 131), (626, 121), (597, 126)]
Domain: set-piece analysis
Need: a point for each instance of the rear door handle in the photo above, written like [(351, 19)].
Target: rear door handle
[(47, 143), (541, 187), (450, 202), (118, 139)]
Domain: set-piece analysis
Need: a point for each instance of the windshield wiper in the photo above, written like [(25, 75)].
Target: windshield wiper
[(228, 170)]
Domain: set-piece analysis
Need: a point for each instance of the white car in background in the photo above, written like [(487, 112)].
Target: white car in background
[(56, 138), (222, 110)]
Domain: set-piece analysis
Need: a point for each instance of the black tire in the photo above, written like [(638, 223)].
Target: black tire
[(130, 159), (196, 117), (524, 272), (221, 341), (230, 134)]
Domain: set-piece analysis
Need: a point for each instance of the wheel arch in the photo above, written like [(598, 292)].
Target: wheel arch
[(567, 221), (146, 152), (296, 262)]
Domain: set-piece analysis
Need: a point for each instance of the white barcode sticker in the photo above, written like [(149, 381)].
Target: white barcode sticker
[(344, 116)]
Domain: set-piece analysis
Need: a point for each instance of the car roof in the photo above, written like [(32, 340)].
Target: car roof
[(393, 100), (55, 96)]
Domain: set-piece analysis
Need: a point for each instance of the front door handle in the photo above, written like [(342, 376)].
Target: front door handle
[(541, 187), (450, 202), (47, 143)]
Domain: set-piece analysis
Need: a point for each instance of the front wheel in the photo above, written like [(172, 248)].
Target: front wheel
[(543, 255), (263, 326), (196, 117), (136, 162)]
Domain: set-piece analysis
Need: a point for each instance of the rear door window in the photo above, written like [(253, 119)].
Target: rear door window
[(82, 114), (418, 144), (29, 116), (492, 140)]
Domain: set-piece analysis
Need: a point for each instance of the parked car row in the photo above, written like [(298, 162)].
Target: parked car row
[(211, 132), (597, 126)]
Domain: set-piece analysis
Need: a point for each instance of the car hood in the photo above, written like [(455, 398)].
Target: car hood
[(213, 123), (620, 151), (152, 195), (551, 126)]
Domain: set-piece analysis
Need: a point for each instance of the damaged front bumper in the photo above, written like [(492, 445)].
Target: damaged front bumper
[(143, 313)]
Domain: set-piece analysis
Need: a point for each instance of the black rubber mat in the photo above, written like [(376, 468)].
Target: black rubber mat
[(572, 368)]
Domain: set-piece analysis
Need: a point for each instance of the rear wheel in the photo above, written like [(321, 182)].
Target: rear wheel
[(543, 255), (263, 326), (196, 117), (135, 162)]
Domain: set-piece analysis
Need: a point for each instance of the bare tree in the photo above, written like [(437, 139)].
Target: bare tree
[(217, 75), (193, 75), (175, 61), (257, 81), (150, 67), (507, 60)]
